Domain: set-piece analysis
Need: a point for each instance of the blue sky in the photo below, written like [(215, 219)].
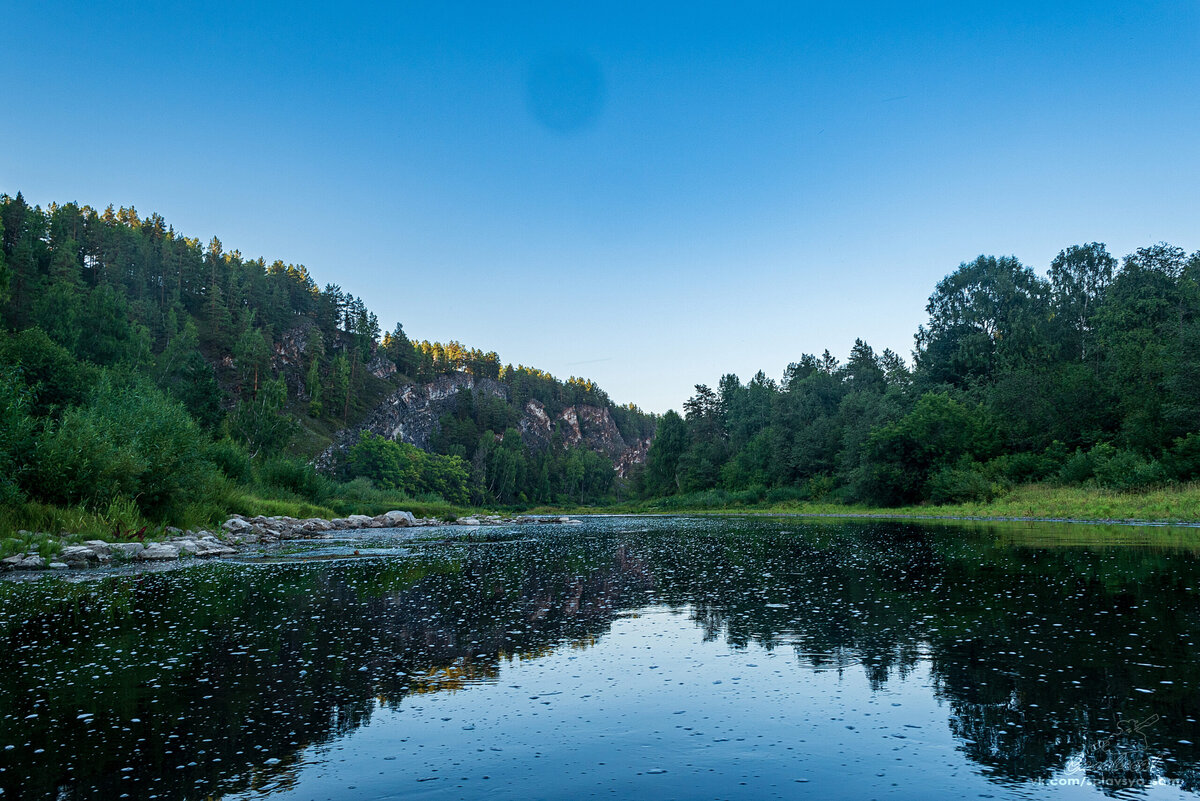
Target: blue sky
[(647, 194)]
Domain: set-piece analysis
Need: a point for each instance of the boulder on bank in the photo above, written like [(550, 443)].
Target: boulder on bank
[(159, 552), (398, 519), (84, 555)]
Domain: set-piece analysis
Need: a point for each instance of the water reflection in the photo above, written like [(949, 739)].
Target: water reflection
[(1052, 658)]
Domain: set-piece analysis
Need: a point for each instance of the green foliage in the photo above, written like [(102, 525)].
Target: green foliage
[(261, 424), (184, 373), (403, 467), (56, 379), (1182, 461), (231, 458), (296, 476), (662, 462), (1112, 468), (989, 315), (936, 434), (16, 434), (964, 482), (128, 441)]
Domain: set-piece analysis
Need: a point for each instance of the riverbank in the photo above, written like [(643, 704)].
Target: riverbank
[(1176, 504), (236, 535)]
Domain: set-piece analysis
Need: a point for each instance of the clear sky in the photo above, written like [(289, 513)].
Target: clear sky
[(648, 194)]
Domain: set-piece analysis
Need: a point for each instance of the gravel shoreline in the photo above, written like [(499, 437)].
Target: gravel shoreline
[(239, 534)]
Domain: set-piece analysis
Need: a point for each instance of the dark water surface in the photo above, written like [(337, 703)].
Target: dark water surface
[(623, 658)]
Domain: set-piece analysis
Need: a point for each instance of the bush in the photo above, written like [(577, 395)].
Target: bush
[(16, 434), (1182, 461), (404, 467), (129, 441), (899, 459), (1125, 470), (1078, 469), (1112, 468), (230, 458), (57, 379), (962, 483), (818, 488), (1023, 468), (786, 494), (296, 476)]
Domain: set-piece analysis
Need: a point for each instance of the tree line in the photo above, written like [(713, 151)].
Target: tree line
[(141, 367), (1088, 375)]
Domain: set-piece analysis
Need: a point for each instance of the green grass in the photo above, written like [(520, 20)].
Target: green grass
[(50, 527), (1171, 504)]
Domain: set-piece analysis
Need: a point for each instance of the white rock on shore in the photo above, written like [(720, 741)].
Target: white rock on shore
[(241, 531)]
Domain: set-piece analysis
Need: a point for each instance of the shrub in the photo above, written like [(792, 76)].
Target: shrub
[(1182, 461), (1112, 468), (16, 434), (230, 458), (129, 441), (786, 494), (296, 476), (1079, 468), (58, 380), (962, 483), (1125, 470), (1023, 468)]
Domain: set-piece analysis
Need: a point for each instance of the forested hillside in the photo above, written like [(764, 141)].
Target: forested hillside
[(143, 373), (147, 377), (1089, 376)]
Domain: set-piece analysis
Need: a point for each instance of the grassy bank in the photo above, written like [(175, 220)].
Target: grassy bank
[(1170, 504), (121, 520), (44, 528)]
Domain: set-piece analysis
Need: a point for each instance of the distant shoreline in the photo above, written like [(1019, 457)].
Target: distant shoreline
[(893, 516)]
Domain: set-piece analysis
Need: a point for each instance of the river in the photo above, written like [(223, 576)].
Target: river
[(697, 658)]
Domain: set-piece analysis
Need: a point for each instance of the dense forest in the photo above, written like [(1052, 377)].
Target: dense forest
[(147, 377), (144, 375), (1089, 376)]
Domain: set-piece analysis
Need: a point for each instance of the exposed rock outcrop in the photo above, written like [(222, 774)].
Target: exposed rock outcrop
[(411, 414), (590, 427), (635, 454)]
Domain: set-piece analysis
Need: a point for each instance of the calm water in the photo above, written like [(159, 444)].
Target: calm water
[(625, 658)]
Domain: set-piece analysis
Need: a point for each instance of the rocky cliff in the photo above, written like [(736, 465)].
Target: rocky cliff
[(412, 414)]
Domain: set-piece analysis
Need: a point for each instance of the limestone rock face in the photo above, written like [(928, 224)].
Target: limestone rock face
[(582, 426), (411, 413), (381, 367), (635, 454)]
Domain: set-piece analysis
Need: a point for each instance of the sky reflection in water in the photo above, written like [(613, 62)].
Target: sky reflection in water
[(626, 658)]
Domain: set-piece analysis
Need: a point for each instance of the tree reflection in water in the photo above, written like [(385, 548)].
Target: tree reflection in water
[(1055, 660)]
